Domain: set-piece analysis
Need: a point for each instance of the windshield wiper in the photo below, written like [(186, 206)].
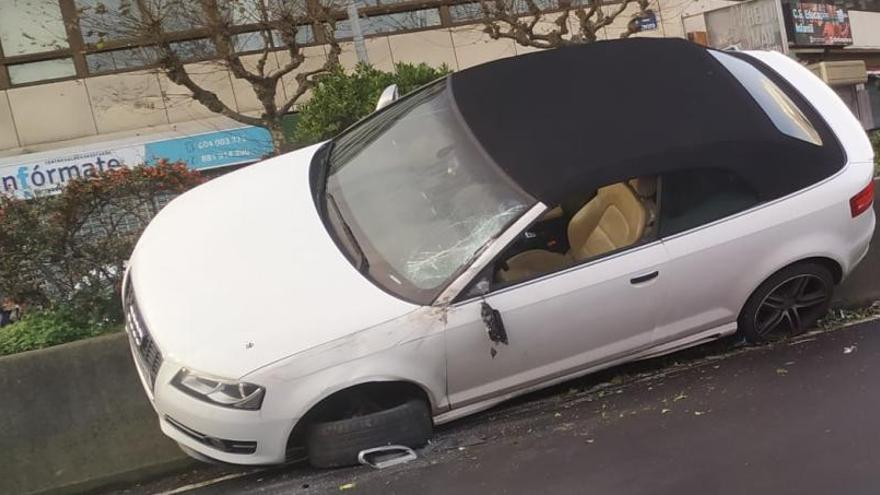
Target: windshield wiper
[(364, 264)]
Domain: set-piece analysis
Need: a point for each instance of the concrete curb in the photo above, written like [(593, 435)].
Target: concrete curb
[(74, 417)]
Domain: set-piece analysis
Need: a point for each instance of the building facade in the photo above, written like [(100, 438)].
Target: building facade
[(839, 41), (73, 97)]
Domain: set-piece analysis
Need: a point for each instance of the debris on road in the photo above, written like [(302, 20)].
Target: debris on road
[(347, 486), (849, 349), (386, 456)]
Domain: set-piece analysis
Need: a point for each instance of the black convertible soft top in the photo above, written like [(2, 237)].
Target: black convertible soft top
[(573, 119)]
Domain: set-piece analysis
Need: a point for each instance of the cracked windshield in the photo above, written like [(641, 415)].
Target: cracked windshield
[(419, 196)]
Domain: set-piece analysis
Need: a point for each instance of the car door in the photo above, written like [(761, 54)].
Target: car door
[(555, 325), (714, 254)]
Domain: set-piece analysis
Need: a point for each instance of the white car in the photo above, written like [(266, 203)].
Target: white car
[(508, 227)]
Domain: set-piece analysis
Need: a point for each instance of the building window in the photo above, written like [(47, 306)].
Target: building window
[(115, 60), (193, 50), (390, 23), (41, 71), (248, 42), (304, 36), (31, 26), (465, 12), (522, 7), (469, 12), (179, 15), (403, 21), (873, 88), (104, 20)]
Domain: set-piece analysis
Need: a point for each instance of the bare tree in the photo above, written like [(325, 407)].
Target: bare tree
[(545, 23), (169, 34)]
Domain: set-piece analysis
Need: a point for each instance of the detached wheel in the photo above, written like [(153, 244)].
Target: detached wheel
[(337, 443), (788, 303)]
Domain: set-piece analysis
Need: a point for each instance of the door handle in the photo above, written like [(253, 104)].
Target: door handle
[(644, 278)]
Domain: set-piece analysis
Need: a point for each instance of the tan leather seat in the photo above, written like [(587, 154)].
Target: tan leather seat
[(646, 190), (615, 218)]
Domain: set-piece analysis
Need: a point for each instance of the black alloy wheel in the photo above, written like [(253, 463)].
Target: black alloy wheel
[(788, 303)]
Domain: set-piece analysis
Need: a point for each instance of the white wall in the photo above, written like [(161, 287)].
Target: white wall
[(865, 29), (692, 12), (8, 137)]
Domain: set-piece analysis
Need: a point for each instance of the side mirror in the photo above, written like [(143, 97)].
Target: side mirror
[(388, 95), (481, 287)]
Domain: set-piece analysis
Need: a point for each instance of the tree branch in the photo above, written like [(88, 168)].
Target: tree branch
[(501, 20), (305, 80)]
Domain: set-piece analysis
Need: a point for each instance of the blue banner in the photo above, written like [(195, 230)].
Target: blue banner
[(213, 149)]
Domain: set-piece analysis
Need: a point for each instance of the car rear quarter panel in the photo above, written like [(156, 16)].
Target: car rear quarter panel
[(713, 270)]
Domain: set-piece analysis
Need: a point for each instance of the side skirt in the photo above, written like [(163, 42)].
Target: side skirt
[(667, 348)]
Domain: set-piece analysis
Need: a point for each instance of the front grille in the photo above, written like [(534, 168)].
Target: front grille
[(147, 353), (230, 446)]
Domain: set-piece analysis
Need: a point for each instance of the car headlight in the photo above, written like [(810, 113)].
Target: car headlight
[(227, 393)]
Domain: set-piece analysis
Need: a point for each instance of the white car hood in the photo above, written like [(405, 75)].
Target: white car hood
[(240, 272)]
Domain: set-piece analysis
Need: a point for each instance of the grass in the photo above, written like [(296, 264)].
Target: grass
[(47, 328)]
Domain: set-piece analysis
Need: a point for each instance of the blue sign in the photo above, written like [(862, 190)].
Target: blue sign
[(647, 21), (213, 149)]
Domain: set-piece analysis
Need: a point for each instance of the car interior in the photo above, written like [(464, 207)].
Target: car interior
[(582, 228)]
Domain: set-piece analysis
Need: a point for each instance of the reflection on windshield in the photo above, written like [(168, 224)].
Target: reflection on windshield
[(783, 112), (420, 197)]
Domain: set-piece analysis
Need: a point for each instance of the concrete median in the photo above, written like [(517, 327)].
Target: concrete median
[(74, 417)]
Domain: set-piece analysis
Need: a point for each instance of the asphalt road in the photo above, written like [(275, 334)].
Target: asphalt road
[(799, 417)]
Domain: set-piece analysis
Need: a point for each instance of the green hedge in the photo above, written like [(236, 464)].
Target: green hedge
[(342, 98), (40, 329)]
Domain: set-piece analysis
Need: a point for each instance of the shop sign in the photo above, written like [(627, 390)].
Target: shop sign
[(818, 24), (26, 176)]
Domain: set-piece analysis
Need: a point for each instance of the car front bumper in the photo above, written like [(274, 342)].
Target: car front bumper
[(227, 435)]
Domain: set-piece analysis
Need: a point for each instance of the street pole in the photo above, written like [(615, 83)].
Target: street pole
[(357, 34)]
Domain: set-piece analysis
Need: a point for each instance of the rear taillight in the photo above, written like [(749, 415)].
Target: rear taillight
[(862, 201)]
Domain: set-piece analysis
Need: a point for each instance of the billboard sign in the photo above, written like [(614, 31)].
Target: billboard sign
[(818, 24), (27, 176), (752, 25)]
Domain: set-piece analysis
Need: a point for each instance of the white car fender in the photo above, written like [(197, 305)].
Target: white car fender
[(402, 350)]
